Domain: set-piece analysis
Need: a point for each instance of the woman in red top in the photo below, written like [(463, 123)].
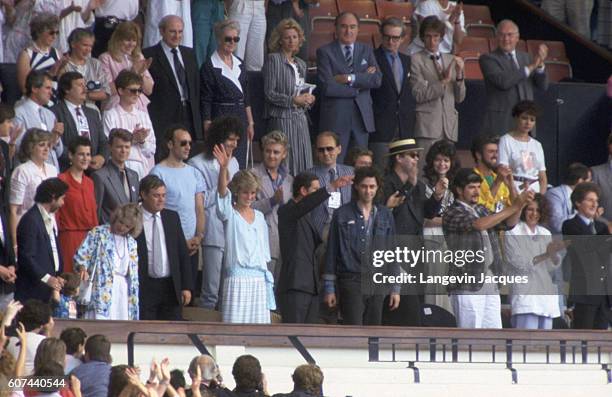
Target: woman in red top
[(78, 215)]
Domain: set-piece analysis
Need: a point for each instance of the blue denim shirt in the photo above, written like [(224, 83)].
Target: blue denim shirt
[(350, 243)]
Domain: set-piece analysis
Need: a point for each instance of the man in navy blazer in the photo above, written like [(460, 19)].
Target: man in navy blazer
[(39, 257), (346, 72), (393, 96)]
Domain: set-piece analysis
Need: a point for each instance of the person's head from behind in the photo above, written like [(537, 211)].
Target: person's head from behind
[(577, 173), (308, 378), (347, 27), (247, 373), (50, 193), (304, 184), (585, 198), (274, 146), (359, 157), (120, 142), (97, 348), (72, 282), (525, 114), (432, 32), (226, 131), (126, 219), (7, 117), (244, 186), (74, 338), (484, 150), (35, 316), (209, 370), (50, 350), (119, 384), (328, 148), (153, 193), (50, 369), (441, 161), (171, 30), (178, 141), (39, 87), (466, 186)]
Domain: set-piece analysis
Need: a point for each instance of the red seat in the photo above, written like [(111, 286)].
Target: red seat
[(558, 70), (387, 9), (323, 25), (472, 67), (478, 21), (365, 38), (327, 11), (480, 30), (316, 40), (369, 26), (556, 49), (363, 8), (475, 44)]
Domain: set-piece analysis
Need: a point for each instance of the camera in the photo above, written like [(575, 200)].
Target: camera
[(93, 85)]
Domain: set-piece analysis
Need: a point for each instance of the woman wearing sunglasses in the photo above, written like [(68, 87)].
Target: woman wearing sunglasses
[(224, 86), (40, 54)]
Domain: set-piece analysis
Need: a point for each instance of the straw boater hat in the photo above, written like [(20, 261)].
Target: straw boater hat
[(402, 146)]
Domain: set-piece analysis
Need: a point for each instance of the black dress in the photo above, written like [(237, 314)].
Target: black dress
[(219, 96)]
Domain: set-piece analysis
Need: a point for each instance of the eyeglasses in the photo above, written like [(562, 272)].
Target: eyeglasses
[(134, 91), (391, 38), (53, 32), (325, 149), (185, 143), (229, 39)]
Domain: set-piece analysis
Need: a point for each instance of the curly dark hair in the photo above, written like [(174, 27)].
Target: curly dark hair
[(542, 206), (34, 314), (220, 130), (446, 149), (247, 373)]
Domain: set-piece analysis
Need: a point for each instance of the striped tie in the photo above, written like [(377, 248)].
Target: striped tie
[(348, 55)]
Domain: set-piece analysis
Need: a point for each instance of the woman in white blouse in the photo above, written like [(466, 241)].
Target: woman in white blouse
[(531, 253), (26, 177)]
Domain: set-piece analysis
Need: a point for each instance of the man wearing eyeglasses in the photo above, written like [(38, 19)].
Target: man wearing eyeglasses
[(393, 97), (127, 116), (185, 188)]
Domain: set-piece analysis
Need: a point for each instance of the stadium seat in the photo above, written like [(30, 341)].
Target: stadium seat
[(323, 25), (326, 11), (365, 38), (370, 26), (475, 44), (478, 21), (558, 71), (472, 67), (556, 49), (520, 46), (389, 8), (316, 40), (363, 8)]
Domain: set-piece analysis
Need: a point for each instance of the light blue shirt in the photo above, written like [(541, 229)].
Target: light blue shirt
[(182, 184)]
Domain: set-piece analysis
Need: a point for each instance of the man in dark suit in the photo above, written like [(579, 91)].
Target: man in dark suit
[(510, 76), (176, 94), (79, 120), (298, 285), (8, 273), (346, 72), (393, 97), (164, 266), (590, 280), (115, 184), (39, 257)]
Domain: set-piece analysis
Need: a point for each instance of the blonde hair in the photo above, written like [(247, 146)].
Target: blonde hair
[(130, 215), (274, 137), (125, 31), (242, 181), (274, 43)]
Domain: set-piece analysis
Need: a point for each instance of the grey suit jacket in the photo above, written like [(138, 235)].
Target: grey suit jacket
[(560, 207), (436, 116), (602, 175), (109, 190), (339, 100), (263, 204), (99, 142), (279, 85), (505, 86), (321, 214)]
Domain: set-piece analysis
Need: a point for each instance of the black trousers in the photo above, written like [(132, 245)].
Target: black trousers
[(158, 300), (591, 316), (102, 32), (299, 307), (356, 307)]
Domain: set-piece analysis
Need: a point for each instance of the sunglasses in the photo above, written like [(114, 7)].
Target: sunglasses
[(134, 91), (414, 155), (184, 143), (391, 38), (229, 39), (325, 149)]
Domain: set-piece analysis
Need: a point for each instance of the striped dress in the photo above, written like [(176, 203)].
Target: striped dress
[(281, 80), (44, 61)]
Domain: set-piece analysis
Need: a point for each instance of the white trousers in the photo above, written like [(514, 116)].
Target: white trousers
[(477, 310), (251, 15)]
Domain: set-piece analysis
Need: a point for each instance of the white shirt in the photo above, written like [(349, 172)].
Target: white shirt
[(81, 122), (51, 227), (71, 22), (233, 73), (122, 9), (526, 159), (156, 10), (29, 114), (24, 181), (32, 342), (141, 156), (170, 57), (147, 223)]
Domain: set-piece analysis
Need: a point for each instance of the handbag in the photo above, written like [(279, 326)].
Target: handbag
[(86, 286)]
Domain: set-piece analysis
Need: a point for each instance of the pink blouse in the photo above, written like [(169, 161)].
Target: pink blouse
[(111, 69)]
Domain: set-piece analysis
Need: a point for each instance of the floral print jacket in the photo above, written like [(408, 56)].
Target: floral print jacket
[(98, 248)]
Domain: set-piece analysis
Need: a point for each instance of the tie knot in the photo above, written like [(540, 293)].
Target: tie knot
[(347, 48), (435, 57), (174, 51)]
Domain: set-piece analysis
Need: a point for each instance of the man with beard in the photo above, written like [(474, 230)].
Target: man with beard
[(497, 190)]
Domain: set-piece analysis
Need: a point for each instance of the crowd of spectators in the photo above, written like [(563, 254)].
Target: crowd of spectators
[(102, 183)]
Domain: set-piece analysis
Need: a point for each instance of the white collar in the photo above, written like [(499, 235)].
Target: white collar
[(148, 214), (30, 102), (71, 106), (232, 73)]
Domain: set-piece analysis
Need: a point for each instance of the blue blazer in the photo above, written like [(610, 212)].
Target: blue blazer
[(35, 257), (319, 215), (338, 100)]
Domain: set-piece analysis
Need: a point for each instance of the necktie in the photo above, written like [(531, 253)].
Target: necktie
[(180, 73), (332, 175), (512, 61), (396, 66), (82, 121), (348, 55), (126, 184), (436, 61), (592, 228), (158, 270)]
